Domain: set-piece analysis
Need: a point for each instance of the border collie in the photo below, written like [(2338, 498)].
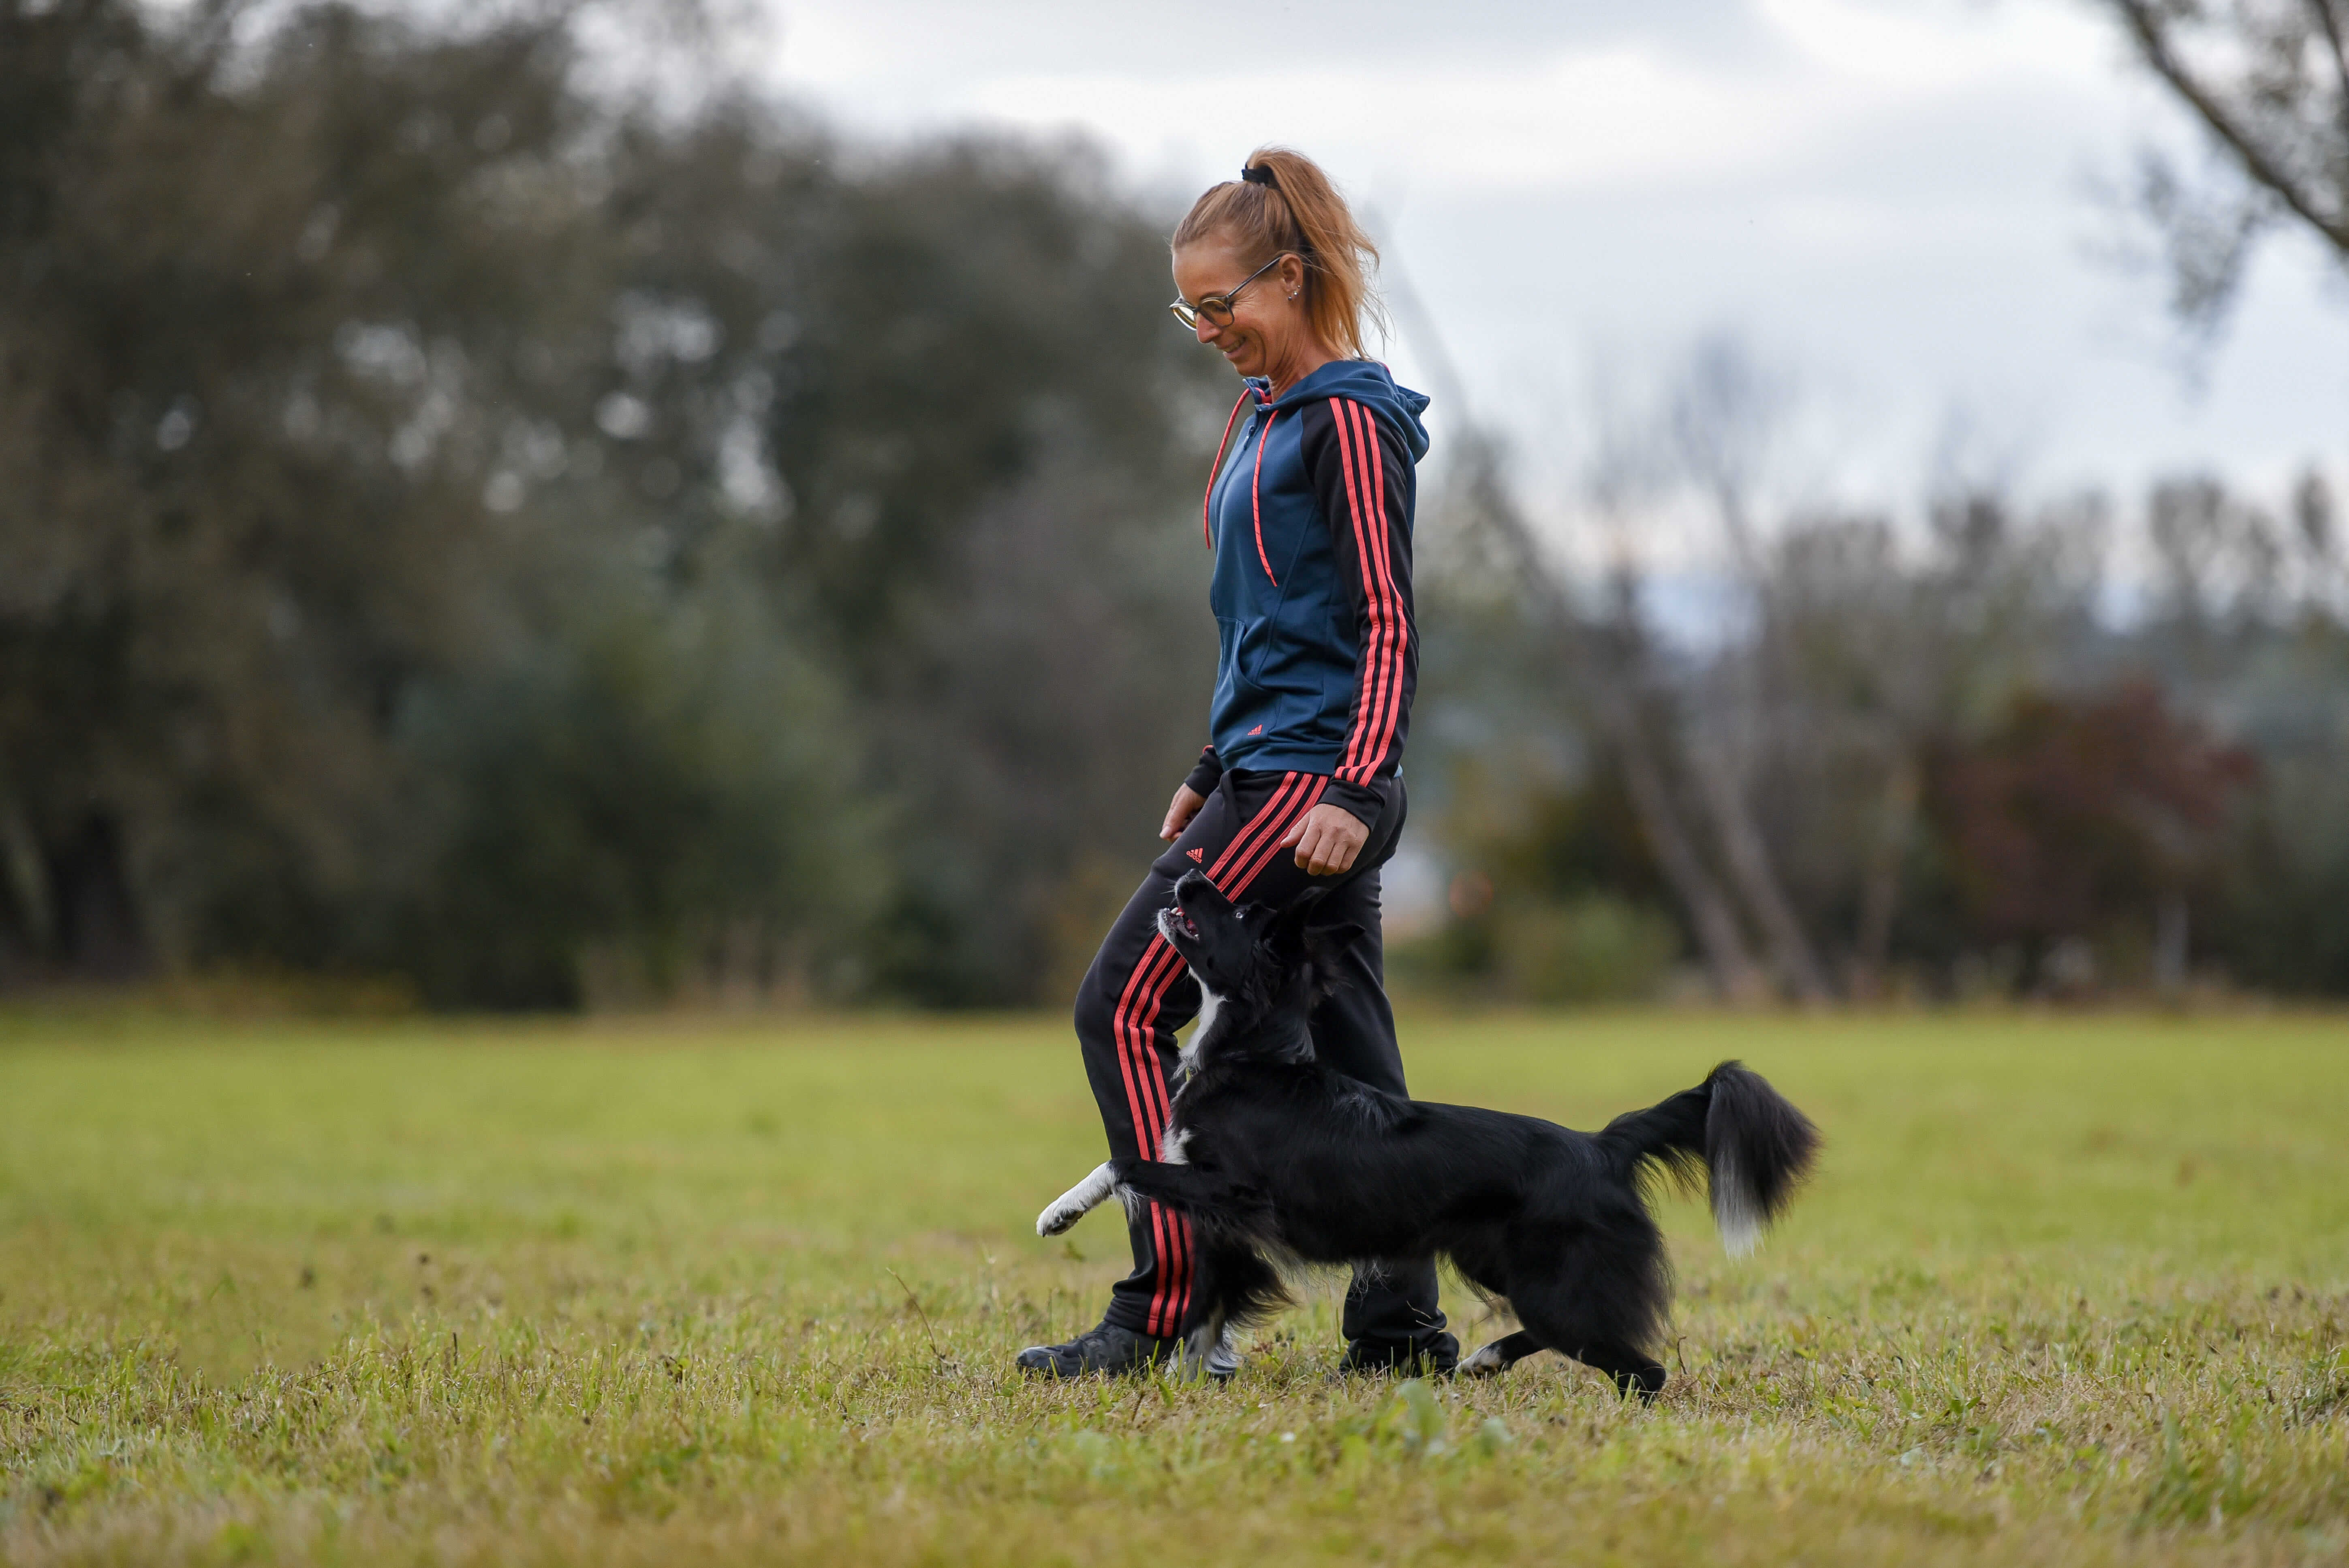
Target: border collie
[(1278, 1160)]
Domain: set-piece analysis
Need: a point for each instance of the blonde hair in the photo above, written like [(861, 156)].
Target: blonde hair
[(1299, 212)]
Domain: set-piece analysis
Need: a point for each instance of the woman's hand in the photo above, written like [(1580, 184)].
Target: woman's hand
[(1328, 840), (1179, 812)]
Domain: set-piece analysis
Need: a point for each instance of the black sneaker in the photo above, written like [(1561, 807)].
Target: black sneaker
[(1107, 1349), (1435, 1357)]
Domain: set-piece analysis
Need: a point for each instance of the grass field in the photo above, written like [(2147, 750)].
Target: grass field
[(2067, 1291)]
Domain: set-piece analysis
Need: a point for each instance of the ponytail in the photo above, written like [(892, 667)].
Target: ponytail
[(1283, 202)]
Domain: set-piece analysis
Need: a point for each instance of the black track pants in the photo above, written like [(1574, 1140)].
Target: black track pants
[(1138, 993)]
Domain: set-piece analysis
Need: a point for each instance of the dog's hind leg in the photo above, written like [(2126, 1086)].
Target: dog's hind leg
[(1601, 1298), (1500, 1356), (1570, 1328), (1634, 1370)]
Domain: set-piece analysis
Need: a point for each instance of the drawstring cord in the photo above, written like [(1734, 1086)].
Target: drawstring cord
[(1255, 495), (1255, 483), (1206, 530)]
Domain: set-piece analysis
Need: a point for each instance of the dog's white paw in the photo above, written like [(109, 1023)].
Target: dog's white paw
[(1076, 1203), (1486, 1363)]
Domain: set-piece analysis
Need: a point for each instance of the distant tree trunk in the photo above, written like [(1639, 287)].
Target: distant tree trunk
[(1725, 415), (1756, 879), (1735, 976), (2169, 944), (1613, 686), (26, 928), (1610, 687), (1879, 893), (98, 934)]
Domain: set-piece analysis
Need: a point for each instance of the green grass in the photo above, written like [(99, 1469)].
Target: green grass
[(2067, 1290)]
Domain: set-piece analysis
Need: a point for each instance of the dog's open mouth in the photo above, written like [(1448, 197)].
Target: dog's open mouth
[(1172, 921)]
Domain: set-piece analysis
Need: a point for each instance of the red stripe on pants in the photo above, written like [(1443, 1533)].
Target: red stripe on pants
[(1172, 1297)]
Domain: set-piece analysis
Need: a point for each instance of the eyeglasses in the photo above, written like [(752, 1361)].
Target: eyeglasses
[(1218, 308)]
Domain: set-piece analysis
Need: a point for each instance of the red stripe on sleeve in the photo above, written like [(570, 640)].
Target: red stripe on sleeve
[(1354, 508), (1375, 656), (1392, 628), (1381, 666)]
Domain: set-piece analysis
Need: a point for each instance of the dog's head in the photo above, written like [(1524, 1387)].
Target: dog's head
[(1252, 954)]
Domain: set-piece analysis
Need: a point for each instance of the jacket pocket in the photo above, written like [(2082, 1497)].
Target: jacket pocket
[(1337, 702), (1228, 643)]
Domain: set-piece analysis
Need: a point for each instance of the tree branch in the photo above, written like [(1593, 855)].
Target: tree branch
[(2332, 34), (1612, 690), (2155, 46), (1611, 685)]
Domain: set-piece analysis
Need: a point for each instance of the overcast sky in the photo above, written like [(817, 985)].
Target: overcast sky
[(1891, 199)]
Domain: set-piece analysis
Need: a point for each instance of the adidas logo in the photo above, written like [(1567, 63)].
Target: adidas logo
[(1196, 854), (1258, 731)]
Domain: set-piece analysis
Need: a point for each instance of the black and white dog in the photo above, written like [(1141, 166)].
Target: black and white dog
[(1278, 1158)]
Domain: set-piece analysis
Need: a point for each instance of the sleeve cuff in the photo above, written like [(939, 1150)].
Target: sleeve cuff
[(1206, 773), (1356, 800)]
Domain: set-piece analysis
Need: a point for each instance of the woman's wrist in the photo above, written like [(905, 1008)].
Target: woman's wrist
[(1359, 800)]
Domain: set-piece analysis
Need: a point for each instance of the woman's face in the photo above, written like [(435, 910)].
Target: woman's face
[(1268, 321)]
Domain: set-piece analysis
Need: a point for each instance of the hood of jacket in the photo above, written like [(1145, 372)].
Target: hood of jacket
[(1365, 381)]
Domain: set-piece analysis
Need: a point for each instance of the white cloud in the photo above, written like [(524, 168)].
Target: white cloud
[(1887, 191), (1621, 115), (1940, 46)]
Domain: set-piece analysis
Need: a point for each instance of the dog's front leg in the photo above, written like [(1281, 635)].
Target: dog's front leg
[(1078, 1201)]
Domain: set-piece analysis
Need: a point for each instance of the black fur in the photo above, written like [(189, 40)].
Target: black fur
[(1280, 1158)]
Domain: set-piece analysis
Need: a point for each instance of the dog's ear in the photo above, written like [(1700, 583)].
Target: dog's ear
[(1330, 941), (1326, 947), (1284, 937)]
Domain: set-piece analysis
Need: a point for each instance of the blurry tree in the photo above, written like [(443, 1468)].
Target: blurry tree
[(2077, 817), (1606, 661), (1725, 415), (246, 332), (945, 394), (2246, 628), (1878, 651), (1560, 899), (993, 437), (2269, 81), (1775, 780), (1601, 659), (457, 521)]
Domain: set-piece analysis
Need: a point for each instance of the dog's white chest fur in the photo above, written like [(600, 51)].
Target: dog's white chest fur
[(1209, 1005)]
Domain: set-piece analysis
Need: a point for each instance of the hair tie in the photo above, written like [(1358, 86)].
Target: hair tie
[(1259, 174)]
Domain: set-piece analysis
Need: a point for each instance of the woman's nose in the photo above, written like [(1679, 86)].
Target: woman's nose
[(1207, 330)]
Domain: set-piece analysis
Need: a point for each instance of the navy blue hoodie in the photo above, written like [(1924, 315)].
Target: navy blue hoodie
[(1310, 520)]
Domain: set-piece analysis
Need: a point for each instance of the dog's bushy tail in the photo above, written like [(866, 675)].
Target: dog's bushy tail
[(1752, 1147)]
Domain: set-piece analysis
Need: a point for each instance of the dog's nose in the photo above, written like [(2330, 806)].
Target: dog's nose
[(1192, 881)]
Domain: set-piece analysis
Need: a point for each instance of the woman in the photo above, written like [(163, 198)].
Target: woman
[(1301, 786)]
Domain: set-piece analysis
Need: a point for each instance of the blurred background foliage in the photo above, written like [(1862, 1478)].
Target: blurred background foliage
[(548, 544), (537, 542)]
